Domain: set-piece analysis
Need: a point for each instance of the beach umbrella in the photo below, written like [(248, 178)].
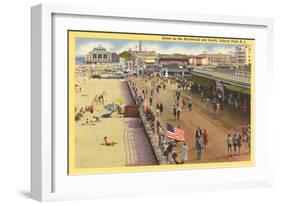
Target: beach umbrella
[(119, 100), (109, 107)]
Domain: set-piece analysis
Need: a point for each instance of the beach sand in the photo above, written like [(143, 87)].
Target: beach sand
[(133, 147)]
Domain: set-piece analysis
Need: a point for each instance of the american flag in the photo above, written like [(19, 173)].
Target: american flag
[(174, 132)]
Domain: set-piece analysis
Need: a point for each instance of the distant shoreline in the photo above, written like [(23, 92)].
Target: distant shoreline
[(79, 61)]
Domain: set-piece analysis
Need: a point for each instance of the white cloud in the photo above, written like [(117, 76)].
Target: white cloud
[(182, 49), (223, 50), (126, 47), (167, 50), (195, 50)]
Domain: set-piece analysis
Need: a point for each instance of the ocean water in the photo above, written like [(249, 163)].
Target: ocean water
[(79, 60)]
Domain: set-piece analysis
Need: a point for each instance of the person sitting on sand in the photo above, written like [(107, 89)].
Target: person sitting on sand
[(86, 122), (97, 118), (108, 142)]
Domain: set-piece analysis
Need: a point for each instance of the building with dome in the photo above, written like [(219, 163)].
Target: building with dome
[(101, 55)]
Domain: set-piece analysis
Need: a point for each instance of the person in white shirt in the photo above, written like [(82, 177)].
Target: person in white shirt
[(229, 145), (184, 153)]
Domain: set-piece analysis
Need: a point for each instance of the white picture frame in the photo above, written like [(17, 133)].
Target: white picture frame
[(46, 181)]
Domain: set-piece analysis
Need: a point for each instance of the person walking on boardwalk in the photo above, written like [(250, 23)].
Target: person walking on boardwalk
[(198, 132), (178, 112), (174, 156), (175, 111), (151, 92), (184, 153), (205, 138), (239, 143), (190, 104), (146, 90), (184, 103), (161, 108), (198, 147), (218, 109), (248, 137), (160, 135), (157, 109), (158, 88), (235, 142), (229, 145), (178, 94), (150, 100), (169, 148)]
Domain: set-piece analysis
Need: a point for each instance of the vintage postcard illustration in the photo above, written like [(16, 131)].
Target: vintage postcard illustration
[(144, 102)]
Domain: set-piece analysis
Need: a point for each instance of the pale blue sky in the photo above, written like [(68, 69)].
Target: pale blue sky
[(84, 45)]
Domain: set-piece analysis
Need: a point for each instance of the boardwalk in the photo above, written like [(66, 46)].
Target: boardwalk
[(203, 116)]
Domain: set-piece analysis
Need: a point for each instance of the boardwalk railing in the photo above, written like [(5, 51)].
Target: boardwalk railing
[(152, 137), (234, 77)]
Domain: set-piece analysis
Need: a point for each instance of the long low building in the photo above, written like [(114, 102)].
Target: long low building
[(165, 61), (175, 71), (210, 59), (232, 87)]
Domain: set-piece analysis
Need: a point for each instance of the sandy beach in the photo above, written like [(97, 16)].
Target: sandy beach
[(133, 147)]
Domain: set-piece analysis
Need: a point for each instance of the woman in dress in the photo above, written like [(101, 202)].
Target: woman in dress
[(205, 138)]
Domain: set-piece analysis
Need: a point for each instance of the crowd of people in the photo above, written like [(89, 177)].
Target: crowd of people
[(235, 141), (183, 101), (201, 141), (145, 97)]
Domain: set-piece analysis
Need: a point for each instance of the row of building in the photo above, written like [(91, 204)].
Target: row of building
[(233, 87), (241, 56)]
